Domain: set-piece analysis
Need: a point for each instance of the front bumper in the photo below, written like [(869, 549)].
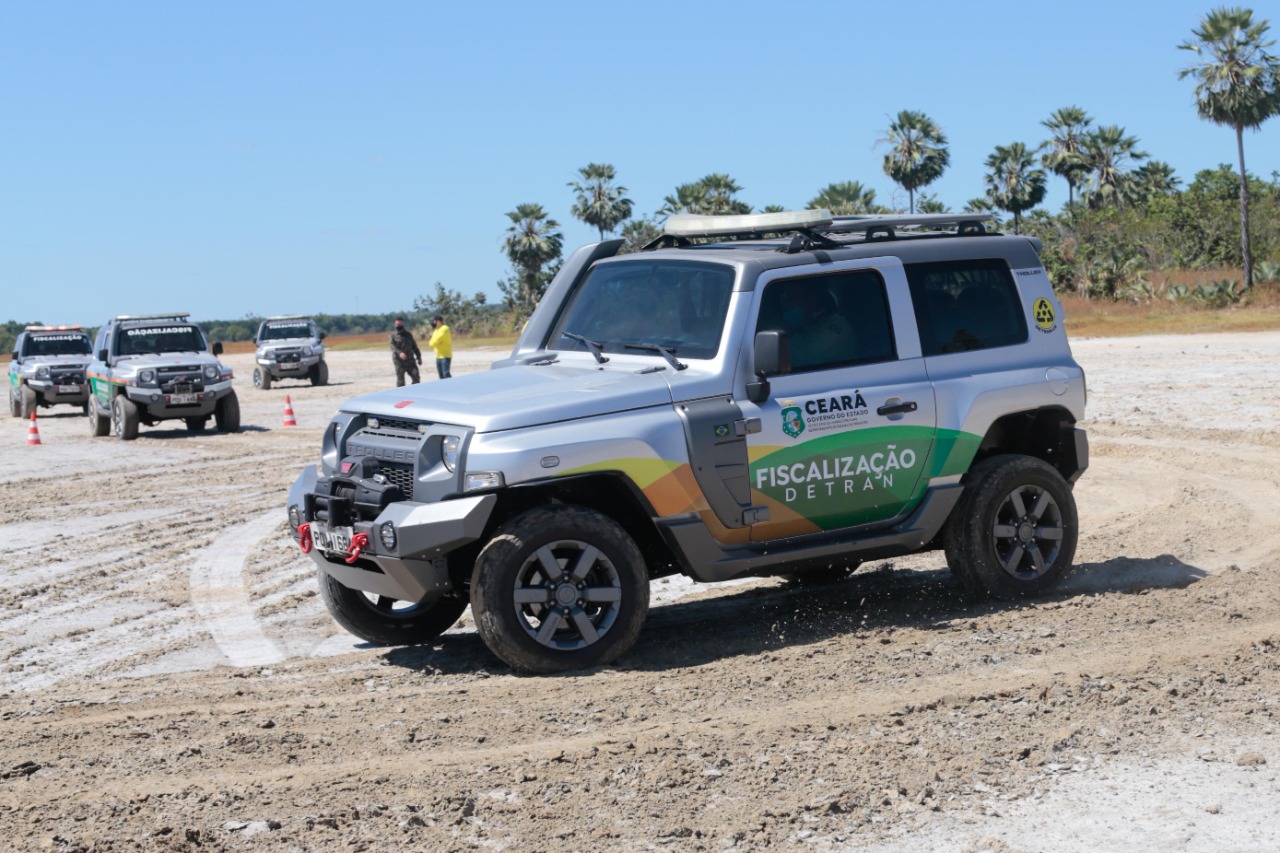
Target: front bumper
[(157, 404), (50, 391), (281, 369), (416, 569)]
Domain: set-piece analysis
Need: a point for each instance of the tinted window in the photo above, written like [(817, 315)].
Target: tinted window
[(68, 344), (675, 304), (284, 329), (830, 320), (966, 305), (152, 339)]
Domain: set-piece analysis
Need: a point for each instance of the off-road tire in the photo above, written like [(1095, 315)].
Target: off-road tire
[(319, 373), (226, 414), (15, 404), (379, 619), (124, 418), (536, 623), (1013, 532), (30, 401), (99, 425), (261, 379), (196, 424)]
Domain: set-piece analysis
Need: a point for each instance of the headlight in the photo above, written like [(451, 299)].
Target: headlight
[(387, 534), (295, 517), (212, 372), (449, 451), (42, 372), (146, 376)]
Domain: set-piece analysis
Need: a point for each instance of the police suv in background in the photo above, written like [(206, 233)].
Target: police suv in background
[(289, 347), (48, 368)]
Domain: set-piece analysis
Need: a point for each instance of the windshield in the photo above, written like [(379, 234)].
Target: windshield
[(679, 305), (160, 339), (69, 344), (284, 329)]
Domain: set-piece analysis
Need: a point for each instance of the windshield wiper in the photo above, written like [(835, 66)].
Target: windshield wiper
[(595, 347), (669, 353)]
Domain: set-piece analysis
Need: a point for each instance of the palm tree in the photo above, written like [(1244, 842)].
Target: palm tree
[(1237, 84), (1012, 183), (532, 243), (930, 203), (845, 199), (599, 202), (712, 195), (1064, 157), (638, 233), (1155, 178), (1108, 151), (918, 153), (688, 198)]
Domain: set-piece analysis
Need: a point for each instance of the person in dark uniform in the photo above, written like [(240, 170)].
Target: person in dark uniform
[(405, 354)]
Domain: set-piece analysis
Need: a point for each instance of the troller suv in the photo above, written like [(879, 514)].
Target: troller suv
[(725, 403), (289, 348), (48, 368), (158, 367)]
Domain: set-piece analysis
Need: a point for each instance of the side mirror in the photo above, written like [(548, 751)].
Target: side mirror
[(217, 347), (15, 355), (772, 357), (322, 336), (102, 354)]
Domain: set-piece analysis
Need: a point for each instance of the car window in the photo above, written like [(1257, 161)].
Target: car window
[(154, 339), (966, 305), (680, 305), (284, 329), (69, 344), (831, 320)]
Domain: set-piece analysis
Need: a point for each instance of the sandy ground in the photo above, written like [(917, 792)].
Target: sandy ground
[(169, 680)]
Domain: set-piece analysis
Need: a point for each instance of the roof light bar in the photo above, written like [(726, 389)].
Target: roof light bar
[(851, 224), (52, 328), (171, 316), (289, 317), (695, 225)]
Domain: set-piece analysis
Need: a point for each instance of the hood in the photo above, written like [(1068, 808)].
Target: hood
[(78, 360), (167, 359), (519, 396)]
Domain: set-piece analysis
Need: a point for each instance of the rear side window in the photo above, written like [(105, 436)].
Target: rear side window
[(832, 320), (966, 305)]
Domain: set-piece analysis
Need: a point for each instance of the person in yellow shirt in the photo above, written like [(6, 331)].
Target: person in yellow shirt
[(442, 342)]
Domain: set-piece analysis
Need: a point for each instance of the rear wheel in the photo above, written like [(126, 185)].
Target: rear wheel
[(381, 619), (124, 418), (559, 588), (99, 425), (320, 374), (1013, 533), (261, 379), (227, 413), (29, 400)]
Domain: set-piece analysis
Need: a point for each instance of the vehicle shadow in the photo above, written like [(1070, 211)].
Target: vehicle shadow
[(162, 434), (764, 619)]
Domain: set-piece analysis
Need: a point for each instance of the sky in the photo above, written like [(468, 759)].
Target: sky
[(233, 158)]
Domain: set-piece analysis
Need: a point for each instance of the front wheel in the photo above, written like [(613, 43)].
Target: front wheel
[(261, 379), (559, 588), (15, 404), (380, 619), (1013, 533), (29, 400), (320, 374), (227, 413), (124, 418)]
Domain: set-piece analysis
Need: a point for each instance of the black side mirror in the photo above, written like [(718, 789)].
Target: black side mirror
[(15, 355), (322, 336), (217, 347), (102, 354), (772, 357)]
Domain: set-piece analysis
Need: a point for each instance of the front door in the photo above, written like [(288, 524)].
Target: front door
[(844, 436)]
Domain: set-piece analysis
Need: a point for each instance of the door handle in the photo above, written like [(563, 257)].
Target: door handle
[(897, 408)]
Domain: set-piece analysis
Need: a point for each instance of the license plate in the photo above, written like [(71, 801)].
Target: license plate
[(69, 389), (338, 539), (182, 399)]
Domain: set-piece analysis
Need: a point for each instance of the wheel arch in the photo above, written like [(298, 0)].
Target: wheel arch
[(1047, 433)]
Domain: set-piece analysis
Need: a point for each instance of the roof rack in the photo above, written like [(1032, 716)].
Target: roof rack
[(746, 225), (883, 227), (52, 328), (170, 316), (288, 317)]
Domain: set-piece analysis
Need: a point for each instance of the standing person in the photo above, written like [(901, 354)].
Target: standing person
[(405, 354), (442, 342)]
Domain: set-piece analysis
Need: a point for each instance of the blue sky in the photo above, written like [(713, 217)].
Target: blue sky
[(237, 158)]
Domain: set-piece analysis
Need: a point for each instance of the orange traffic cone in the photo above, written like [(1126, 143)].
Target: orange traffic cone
[(289, 419), (33, 432)]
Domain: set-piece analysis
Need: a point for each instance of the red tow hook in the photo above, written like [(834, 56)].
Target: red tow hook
[(358, 543), (304, 537)]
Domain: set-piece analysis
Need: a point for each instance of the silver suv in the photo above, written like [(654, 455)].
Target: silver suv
[(751, 395), (289, 347), (156, 367), (48, 368)]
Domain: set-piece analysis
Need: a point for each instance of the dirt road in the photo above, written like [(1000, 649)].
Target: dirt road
[(169, 680)]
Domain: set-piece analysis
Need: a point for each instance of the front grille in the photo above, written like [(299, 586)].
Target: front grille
[(288, 355), (400, 476), (397, 424), (180, 380), (68, 376)]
